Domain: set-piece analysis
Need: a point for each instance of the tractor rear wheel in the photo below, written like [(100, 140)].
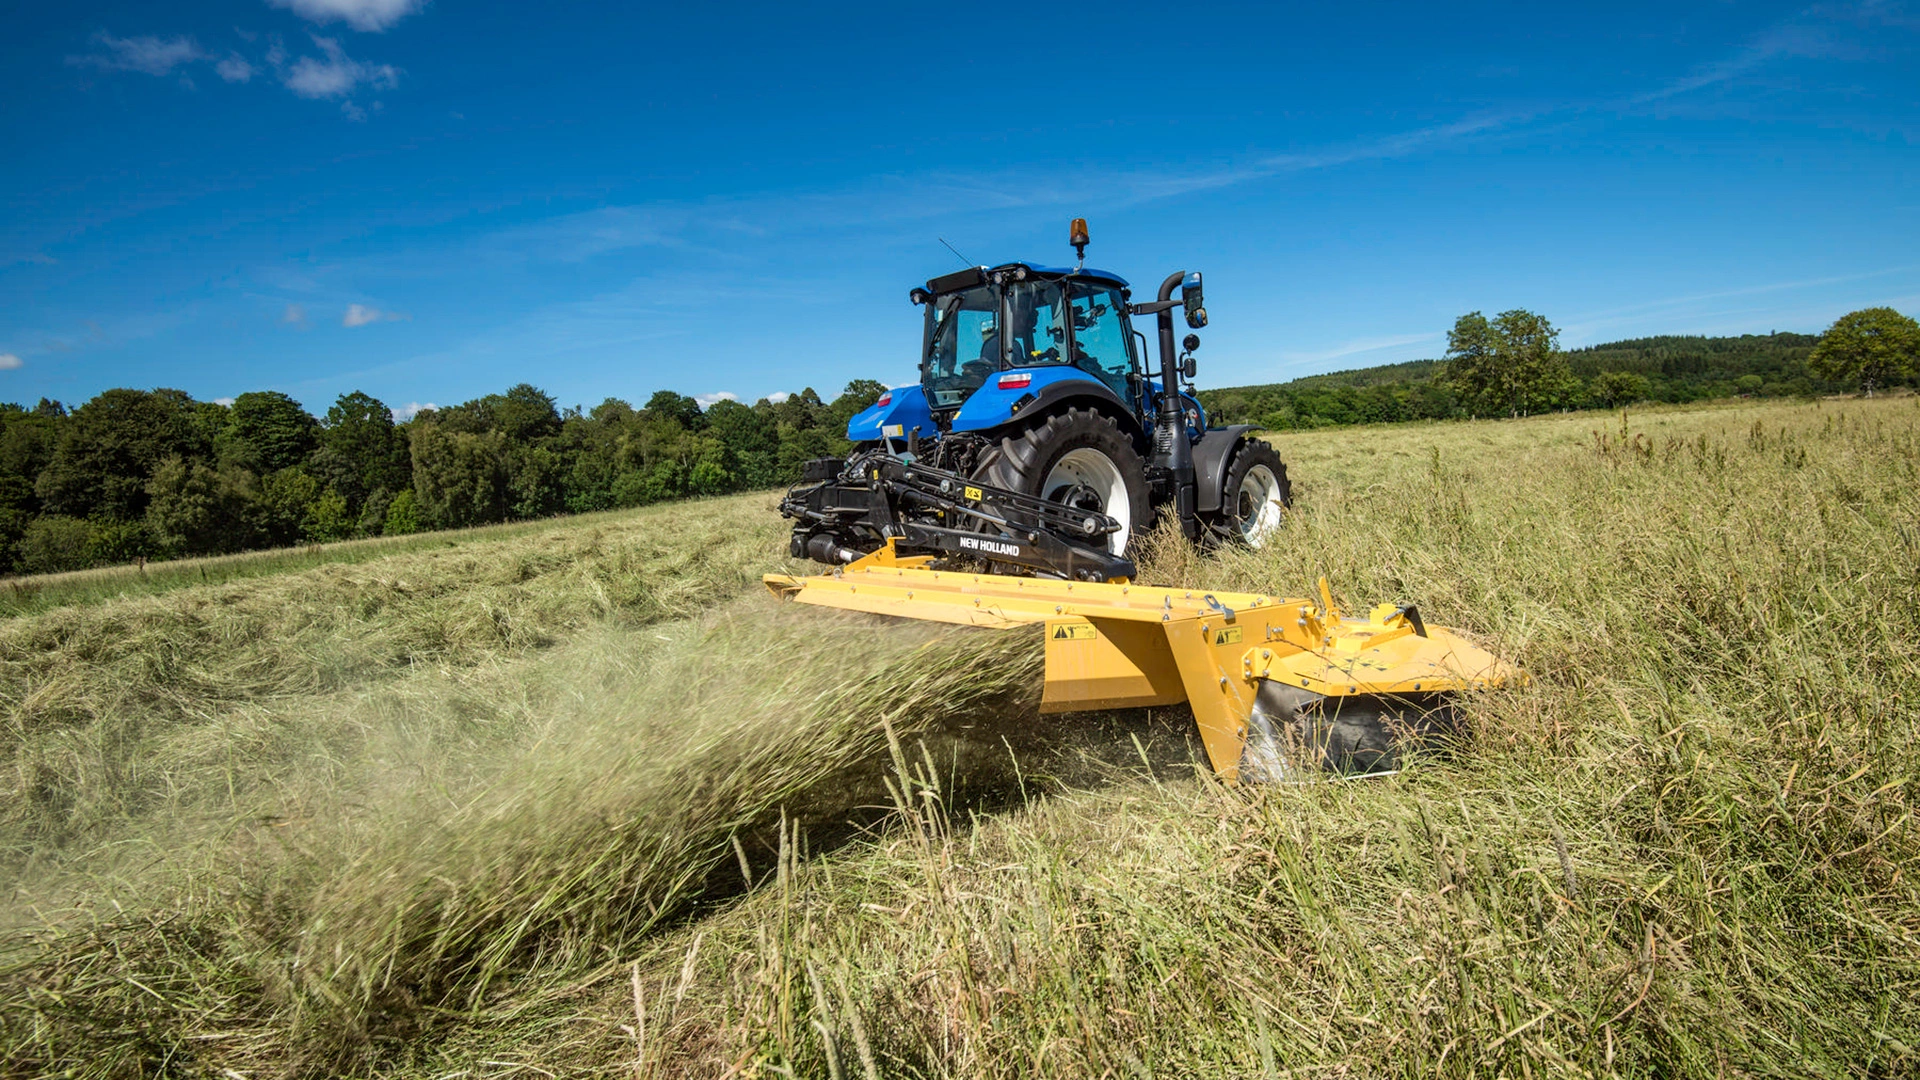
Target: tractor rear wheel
[(1256, 494), (1081, 458)]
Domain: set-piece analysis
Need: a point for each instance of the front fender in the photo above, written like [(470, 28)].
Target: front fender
[(1211, 456), (992, 405)]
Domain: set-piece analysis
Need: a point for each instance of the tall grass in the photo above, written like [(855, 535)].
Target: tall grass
[(761, 841)]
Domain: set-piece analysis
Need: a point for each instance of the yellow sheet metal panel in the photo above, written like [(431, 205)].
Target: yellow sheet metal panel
[(1108, 664), (880, 579), (1217, 691)]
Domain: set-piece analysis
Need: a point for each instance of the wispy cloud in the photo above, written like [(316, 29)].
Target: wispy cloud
[(707, 401), (146, 54), (412, 409), (362, 315), (294, 316), (234, 68), (9, 361), (1358, 347), (338, 75), (1585, 325), (331, 76), (372, 16)]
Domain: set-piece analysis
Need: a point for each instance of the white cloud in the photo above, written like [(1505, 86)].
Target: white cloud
[(295, 315), (361, 315), (778, 396), (369, 15), (9, 361), (223, 401), (234, 68), (146, 54), (708, 401), (412, 409), (336, 76)]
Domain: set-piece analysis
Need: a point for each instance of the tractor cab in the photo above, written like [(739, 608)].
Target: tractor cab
[(984, 321)]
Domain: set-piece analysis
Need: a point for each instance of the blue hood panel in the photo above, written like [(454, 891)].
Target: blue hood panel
[(905, 409)]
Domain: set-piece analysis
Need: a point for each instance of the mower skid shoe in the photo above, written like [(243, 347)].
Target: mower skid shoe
[(1293, 733)]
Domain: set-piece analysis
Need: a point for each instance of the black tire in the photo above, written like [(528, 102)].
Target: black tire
[(1025, 460), (1238, 498)]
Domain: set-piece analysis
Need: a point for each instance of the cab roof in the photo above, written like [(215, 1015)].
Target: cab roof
[(975, 275)]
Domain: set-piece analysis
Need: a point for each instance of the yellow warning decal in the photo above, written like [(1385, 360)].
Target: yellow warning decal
[(894, 431), (974, 494), (1074, 632), (1227, 636)]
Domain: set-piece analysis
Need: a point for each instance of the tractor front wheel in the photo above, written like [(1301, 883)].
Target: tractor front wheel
[(1081, 458), (1256, 494)]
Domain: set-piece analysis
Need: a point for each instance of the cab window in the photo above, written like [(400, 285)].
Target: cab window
[(1101, 346), (963, 345), (1036, 317)]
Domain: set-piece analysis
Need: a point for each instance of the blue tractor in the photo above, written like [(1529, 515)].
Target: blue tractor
[(1040, 439)]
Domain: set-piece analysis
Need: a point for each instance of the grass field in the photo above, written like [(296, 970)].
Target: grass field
[(578, 798)]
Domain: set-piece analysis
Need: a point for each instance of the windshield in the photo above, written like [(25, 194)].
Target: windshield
[(963, 344)]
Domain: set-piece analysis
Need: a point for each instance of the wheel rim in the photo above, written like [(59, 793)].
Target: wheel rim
[(1088, 479), (1257, 507)]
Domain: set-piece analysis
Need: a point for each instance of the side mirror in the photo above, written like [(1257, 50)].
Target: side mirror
[(1187, 368), (1194, 301)]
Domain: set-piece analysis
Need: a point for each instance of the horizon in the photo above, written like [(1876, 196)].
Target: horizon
[(431, 202)]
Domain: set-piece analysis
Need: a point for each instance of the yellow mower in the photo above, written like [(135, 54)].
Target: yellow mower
[(1039, 441), (1277, 686)]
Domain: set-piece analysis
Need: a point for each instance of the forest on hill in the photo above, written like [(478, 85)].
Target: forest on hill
[(154, 474), (1672, 369)]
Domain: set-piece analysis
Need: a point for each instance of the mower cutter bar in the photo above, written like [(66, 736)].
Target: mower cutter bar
[(1239, 660)]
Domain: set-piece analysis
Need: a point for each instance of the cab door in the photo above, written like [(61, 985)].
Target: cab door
[(1102, 346)]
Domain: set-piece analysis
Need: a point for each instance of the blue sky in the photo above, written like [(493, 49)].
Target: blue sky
[(433, 201)]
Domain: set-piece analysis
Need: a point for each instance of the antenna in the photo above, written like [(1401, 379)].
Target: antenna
[(956, 251)]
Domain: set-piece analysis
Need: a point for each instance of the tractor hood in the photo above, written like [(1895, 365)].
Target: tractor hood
[(894, 416)]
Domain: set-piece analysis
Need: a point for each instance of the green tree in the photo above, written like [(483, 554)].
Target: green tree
[(361, 451), (1874, 347), (750, 436), (1511, 364), (1612, 389), (525, 415), (678, 408), (111, 445), (268, 431), (53, 543), (459, 477), (328, 518), (286, 503), (403, 515), (194, 509)]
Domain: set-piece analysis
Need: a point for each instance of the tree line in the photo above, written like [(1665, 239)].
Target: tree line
[(1511, 365), (153, 474)]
